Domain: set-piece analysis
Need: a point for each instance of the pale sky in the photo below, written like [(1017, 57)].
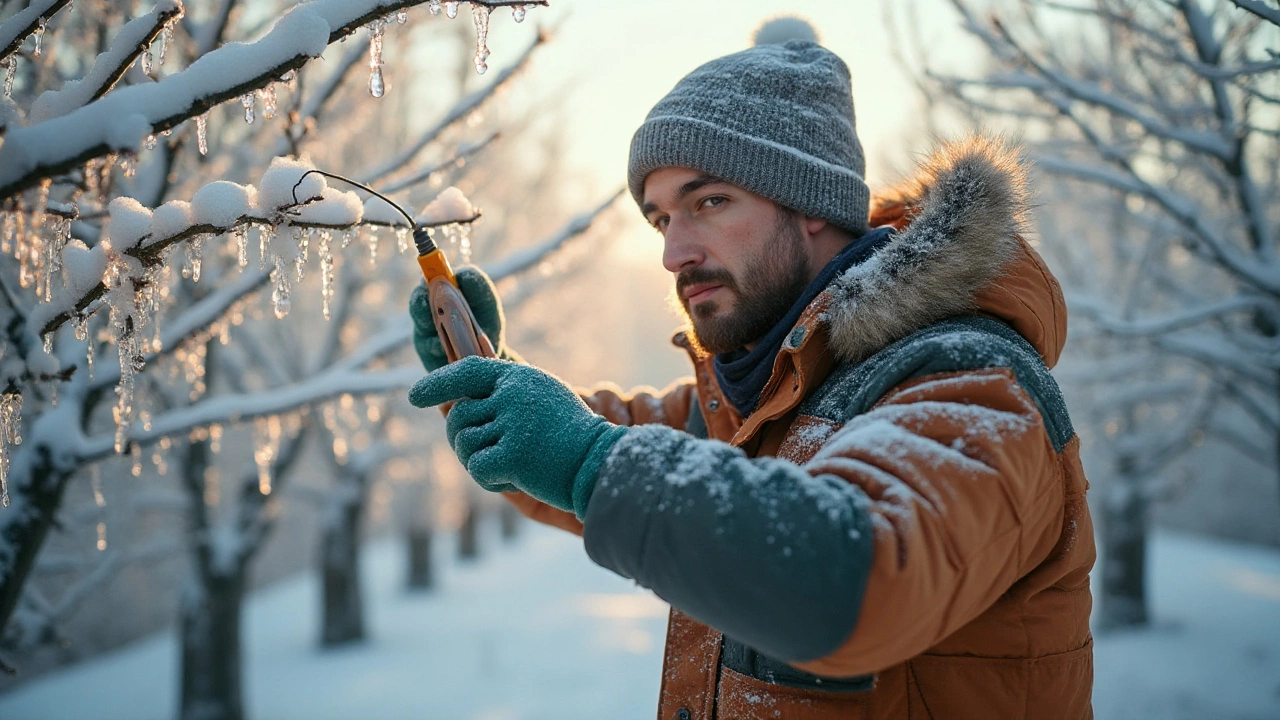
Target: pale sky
[(617, 58)]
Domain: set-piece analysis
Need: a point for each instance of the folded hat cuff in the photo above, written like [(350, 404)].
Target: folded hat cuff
[(781, 173)]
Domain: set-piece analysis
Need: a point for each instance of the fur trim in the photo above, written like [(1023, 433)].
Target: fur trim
[(962, 210)]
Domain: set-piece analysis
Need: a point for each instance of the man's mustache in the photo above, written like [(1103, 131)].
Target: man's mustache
[(699, 276)]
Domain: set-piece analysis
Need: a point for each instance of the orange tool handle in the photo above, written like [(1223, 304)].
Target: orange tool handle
[(455, 323)]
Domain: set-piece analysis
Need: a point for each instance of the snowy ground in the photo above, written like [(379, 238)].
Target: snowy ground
[(536, 631)]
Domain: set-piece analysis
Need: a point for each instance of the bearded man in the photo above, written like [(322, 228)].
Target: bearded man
[(868, 502)]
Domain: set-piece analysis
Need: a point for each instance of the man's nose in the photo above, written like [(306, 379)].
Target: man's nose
[(680, 249)]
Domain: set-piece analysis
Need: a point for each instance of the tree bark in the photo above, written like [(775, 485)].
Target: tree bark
[(1123, 603), (509, 521), (211, 686), (469, 532), (421, 573), (343, 604)]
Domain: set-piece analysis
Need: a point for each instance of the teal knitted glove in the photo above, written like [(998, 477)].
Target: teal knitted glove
[(516, 425), (485, 305)]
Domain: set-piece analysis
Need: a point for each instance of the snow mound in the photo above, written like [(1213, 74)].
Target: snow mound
[(128, 223), (276, 189), (449, 206), (222, 203)]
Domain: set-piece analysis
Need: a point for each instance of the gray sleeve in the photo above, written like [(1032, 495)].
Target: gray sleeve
[(759, 549)]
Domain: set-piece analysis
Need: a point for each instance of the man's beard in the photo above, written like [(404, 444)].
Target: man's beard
[(771, 283)]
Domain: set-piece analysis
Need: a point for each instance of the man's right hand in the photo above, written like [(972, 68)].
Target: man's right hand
[(480, 294)]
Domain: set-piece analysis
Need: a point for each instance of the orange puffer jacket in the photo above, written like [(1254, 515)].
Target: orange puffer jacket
[(919, 380)]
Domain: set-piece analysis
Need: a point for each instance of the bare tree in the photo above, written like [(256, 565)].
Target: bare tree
[(1157, 122)]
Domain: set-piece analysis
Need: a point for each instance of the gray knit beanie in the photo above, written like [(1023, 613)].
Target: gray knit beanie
[(775, 119)]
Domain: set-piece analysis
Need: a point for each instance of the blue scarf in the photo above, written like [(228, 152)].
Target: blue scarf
[(743, 374)]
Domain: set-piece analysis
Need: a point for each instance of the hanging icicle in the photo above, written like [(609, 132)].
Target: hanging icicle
[(240, 235), (10, 434), (246, 101), (166, 38), (518, 13), (11, 71), (480, 18), (193, 257), (202, 137), (268, 95), (39, 37), (326, 272), (451, 9), (280, 294), (304, 250), (376, 85)]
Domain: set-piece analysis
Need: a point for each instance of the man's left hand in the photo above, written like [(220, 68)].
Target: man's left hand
[(515, 425)]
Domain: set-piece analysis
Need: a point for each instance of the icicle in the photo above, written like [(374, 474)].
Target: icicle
[(451, 9), (193, 257), (266, 234), (10, 434), (81, 324), (402, 239), (304, 250), (147, 61), (347, 237), (39, 36), (150, 142), (280, 295), (136, 454), (48, 343), (8, 230), (376, 85), (240, 235), (11, 72), (480, 18), (434, 7), (40, 205), (517, 13), (127, 166), (128, 316), (246, 101), (402, 16), (268, 95), (202, 137), (326, 272), (373, 247), (166, 37)]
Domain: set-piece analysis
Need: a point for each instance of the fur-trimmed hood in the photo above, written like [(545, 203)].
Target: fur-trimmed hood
[(960, 249)]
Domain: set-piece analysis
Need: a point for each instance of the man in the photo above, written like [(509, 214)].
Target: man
[(869, 501)]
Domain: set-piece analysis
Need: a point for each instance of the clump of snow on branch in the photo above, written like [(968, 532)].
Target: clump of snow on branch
[(452, 213)]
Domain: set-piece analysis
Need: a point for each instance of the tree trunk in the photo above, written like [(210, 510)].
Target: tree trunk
[(469, 532), (420, 576), (211, 688), (1123, 603), (343, 604), (509, 521)]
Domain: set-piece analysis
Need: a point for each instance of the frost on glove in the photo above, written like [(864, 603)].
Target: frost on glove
[(516, 426)]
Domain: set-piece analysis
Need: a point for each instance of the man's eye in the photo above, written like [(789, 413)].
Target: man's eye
[(660, 224), (714, 201)]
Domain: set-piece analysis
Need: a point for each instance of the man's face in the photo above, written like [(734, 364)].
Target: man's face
[(739, 260)]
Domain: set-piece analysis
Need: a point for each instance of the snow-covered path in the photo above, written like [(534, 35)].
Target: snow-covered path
[(536, 631)]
